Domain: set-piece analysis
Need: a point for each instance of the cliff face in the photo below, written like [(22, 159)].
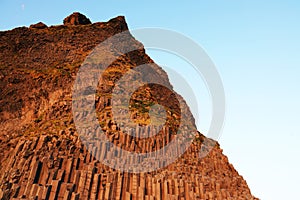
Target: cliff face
[(42, 155)]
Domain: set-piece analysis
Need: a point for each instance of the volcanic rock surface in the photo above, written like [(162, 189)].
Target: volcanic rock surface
[(42, 155)]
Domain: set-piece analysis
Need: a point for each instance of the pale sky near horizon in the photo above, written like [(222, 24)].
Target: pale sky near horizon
[(255, 46)]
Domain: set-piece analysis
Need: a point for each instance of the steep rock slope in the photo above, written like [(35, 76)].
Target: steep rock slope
[(42, 156)]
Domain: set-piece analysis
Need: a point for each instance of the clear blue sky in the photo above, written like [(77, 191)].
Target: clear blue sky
[(256, 48)]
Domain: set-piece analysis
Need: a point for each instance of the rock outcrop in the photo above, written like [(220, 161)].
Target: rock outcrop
[(42, 155), (39, 25), (76, 19)]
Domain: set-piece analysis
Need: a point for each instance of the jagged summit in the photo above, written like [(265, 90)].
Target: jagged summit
[(78, 19), (42, 156)]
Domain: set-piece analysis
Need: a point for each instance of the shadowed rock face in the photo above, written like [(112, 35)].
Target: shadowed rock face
[(42, 156)]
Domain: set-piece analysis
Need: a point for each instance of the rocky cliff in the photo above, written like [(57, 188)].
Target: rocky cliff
[(42, 155)]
